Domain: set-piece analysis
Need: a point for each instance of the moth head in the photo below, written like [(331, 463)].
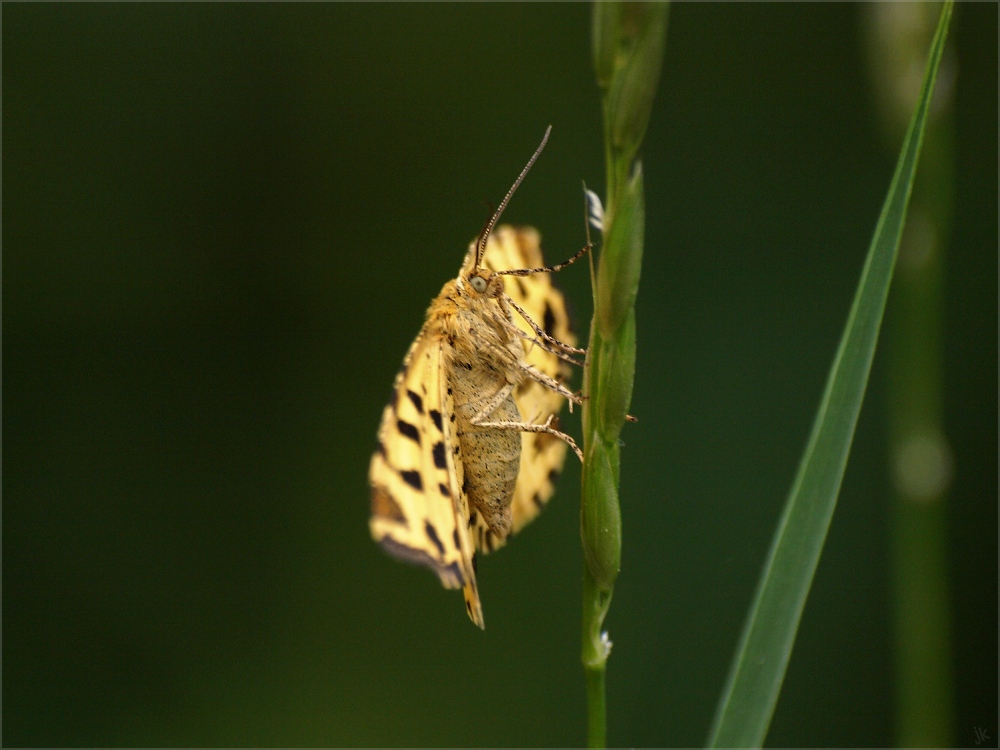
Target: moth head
[(484, 283)]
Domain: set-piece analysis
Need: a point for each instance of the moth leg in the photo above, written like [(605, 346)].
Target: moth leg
[(495, 400), (541, 377), (527, 427), (543, 344), (554, 342), (480, 420)]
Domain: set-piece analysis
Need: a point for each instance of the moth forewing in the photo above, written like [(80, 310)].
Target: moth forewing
[(419, 513)]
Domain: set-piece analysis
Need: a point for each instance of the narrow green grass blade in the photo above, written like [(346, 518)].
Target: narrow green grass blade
[(758, 669)]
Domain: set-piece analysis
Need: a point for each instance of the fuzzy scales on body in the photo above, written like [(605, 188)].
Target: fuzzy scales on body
[(484, 359)]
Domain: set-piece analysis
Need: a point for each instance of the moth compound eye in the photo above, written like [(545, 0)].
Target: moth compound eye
[(478, 283)]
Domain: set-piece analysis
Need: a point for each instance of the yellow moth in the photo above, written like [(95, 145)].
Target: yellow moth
[(469, 446)]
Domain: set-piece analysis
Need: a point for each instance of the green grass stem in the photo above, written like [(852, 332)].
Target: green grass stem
[(628, 41)]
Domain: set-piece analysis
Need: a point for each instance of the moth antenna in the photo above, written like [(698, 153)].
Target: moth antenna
[(481, 248), (490, 208), (546, 269)]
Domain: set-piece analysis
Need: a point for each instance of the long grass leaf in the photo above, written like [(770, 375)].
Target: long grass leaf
[(747, 705)]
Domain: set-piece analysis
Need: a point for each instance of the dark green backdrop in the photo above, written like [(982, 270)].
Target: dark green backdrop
[(222, 225)]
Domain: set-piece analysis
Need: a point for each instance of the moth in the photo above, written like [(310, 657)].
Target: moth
[(469, 446)]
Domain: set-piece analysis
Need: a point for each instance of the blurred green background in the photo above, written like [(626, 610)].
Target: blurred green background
[(222, 226)]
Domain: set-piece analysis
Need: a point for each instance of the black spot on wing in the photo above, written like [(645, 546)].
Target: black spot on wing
[(537, 500), (409, 430), (472, 519), (443, 489), (439, 457), (436, 418), (520, 286), (433, 536), (454, 536), (418, 402), (549, 320), (413, 479), (553, 475)]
